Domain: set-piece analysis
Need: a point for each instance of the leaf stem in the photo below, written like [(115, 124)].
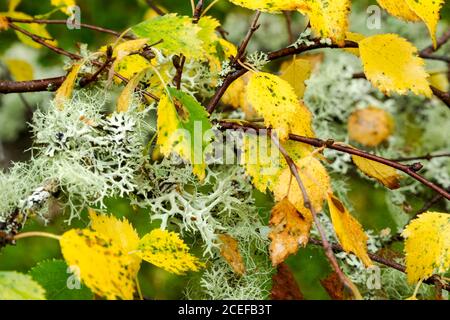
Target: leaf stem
[(37, 234)]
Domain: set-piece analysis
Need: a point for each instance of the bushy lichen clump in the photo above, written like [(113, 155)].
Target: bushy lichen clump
[(83, 156)]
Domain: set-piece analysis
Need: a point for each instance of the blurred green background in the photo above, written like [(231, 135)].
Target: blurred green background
[(309, 264)]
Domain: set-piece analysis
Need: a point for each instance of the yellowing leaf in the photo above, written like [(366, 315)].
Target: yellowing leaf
[(12, 4), (34, 28), (228, 48), (229, 249), (329, 19), (427, 245), (348, 230), (276, 101), (18, 286), (65, 91), (235, 94), (370, 126), (315, 179), (63, 4), (264, 163), (21, 70), (182, 124), (439, 80), (269, 5), (296, 73), (416, 10), (289, 230), (386, 175), (104, 266), (131, 65), (167, 251), (121, 232), (179, 35), (207, 33), (125, 97), (392, 65), (126, 48), (399, 9), (428, 11)]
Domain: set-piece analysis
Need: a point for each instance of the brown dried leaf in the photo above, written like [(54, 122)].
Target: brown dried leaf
[(284, 286), (289, 230), (334, 287), (230, 252)]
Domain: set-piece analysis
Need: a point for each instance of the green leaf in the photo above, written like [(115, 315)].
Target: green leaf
[(182, 124), (18, 286), (57, 280), (179, 35)]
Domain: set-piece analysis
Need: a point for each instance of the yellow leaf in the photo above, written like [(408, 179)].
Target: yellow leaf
[(126, 48), (392, 65), (131, 65), (427, 245), (296, 73), (355, 37), (276, 101), (12, 5), (228, 48), (103, 265), (125, 97), (63, 4), (370, 126), (399, 9), (3, 23), (65, 91), (182, 129), (34, 28), (270, 5), (166, 250), (179, 35), (21, 70), (229, 249), (386, 175), (121, 232), (428, 11), (289, 230), (315, 179), (348, 230), (439, 80), (264, 163), (235, 94), (329, 19)]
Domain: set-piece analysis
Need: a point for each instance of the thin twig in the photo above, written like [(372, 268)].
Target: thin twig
[(109, 59), (279, 54), (440, 42), (425, 157), (331, 144), (43, 42), (154, 7), (178, 63), (64, 22), (197, 12), (436, 198), (49, 84), (244, 44), (392, 264), (288, 17), (308, 205)]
